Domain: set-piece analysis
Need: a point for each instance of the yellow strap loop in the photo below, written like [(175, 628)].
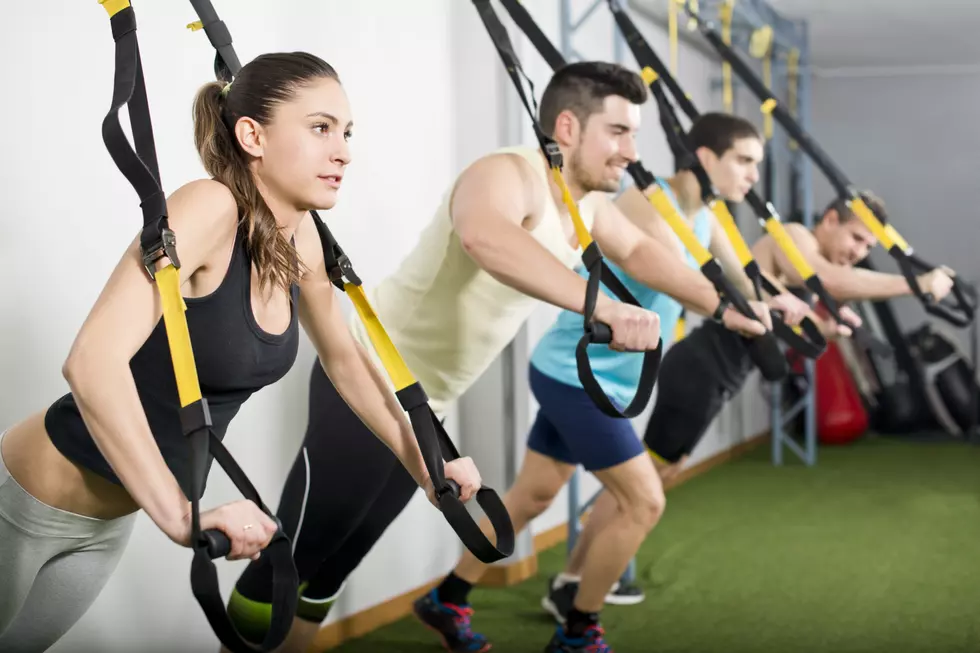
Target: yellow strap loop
[(390, 358), (113, 7), (584, 237), (178, 336), (727, 222), (195, 26), (885, 234), (727, 96), (655, 456), (649, 75), (666, 209), (776, 229)]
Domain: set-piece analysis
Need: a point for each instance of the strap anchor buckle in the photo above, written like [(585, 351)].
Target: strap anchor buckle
[(343, 269), (163, 247), (554, 155)]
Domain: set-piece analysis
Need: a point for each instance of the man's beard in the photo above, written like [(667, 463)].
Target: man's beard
[(585, 181)]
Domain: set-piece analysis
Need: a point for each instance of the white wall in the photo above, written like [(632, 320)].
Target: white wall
[(428, 95), (912, 138), (59, 179)]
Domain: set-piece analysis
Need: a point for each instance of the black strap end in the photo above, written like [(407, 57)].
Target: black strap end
[(195, 417)]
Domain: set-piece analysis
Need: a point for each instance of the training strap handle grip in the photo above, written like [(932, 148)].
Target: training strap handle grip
[(598, 271), (157, 242)]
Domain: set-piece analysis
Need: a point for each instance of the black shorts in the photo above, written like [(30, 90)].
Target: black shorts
[(343, 491), (697, 376)]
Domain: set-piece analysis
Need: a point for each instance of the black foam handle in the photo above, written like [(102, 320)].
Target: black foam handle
[(217, 543), (600, 333)]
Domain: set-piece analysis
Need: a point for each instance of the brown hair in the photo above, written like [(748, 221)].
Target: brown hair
[(259, 87), (875, 203), (583, 86), (719, 131)]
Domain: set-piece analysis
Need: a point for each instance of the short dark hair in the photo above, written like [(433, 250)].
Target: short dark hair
[(875, 203), (583, 86), (719, 131)]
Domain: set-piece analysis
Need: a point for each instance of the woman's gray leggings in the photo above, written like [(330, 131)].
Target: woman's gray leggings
[(53, 565)]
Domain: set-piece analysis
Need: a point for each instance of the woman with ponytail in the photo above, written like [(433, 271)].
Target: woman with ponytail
[(275, 146)]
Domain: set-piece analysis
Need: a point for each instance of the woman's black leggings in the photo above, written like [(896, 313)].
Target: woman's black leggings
[(344, 489)]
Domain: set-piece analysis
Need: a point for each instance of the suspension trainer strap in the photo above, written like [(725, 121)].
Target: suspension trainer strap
[(961, 311), (658, 75), (434, 443), (157, 243), (598, 271), (766, 352)]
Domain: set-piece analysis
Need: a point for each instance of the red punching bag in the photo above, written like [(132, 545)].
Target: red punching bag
[(841, 417)]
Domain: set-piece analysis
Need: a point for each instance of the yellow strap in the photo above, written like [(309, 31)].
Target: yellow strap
[(666, 209), (885, 234), (584, 237), (793, 71), (760, 43), (776, 229), (727, 222), (672, 30), (390, 358), (113, 7), (649, 75), (727, 97), (179, 338)]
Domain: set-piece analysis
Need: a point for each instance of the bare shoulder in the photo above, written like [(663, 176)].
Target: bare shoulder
[(204, 217), (799, 233), (502, 180)]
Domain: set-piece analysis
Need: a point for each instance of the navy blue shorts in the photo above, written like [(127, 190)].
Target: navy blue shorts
[(571, 429)]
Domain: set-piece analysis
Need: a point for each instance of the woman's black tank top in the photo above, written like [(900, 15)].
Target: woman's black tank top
[(234, 358)]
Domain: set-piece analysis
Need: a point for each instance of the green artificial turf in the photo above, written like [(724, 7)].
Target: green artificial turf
[(876, 549)]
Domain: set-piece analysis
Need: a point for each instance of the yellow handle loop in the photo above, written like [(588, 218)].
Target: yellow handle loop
[(885, 234), (584, 237), (727, 222), (658, 198), (113, 7), (390, 358), (776, 229), (178, 336)]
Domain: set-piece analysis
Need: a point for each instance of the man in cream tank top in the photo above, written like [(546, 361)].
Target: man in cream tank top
[(500, 241)]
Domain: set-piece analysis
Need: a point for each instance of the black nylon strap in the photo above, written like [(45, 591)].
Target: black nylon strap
[(765, 353), (595, 333), (140, 167), (960, 313), (434, 443), (646, 56)]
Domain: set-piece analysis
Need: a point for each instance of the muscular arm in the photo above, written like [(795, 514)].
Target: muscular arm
[(844, 283), (492, 200), (647, 259), (203, 217), (346, 362)]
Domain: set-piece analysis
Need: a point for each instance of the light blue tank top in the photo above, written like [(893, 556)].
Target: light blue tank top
[(618, 373)]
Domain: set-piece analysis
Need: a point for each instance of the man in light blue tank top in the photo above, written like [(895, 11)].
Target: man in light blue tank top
[(569, 430)]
